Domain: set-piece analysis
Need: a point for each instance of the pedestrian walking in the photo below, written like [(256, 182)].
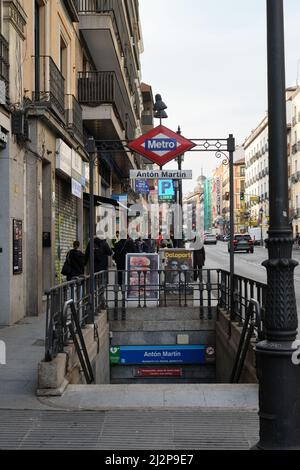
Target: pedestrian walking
[(74, 264), (159, 241), (197, 245), (115, 240), (101, 253)]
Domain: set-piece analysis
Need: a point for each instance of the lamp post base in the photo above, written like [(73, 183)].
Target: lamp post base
[(279, 396)]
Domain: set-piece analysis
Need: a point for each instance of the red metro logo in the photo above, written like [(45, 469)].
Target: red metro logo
[(161, 145)]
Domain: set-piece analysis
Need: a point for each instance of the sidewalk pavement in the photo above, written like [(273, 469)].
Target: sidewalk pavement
[(195, 416), (24, 349)]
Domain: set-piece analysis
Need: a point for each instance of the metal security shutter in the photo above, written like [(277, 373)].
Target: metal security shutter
[(66, 223)]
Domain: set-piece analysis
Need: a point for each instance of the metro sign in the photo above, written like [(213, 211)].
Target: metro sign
[(161, 145)]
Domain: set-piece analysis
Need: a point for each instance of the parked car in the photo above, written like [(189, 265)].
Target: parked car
[(210, 239), (242, 242)]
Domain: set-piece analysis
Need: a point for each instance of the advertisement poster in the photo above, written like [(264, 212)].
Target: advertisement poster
[(178, 268), (134, 355), (142, 276), (17, 246)]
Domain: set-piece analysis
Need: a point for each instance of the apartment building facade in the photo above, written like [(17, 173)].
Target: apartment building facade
[(294, 163), (75, 72)]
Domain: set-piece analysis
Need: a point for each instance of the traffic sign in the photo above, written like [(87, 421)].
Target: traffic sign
[(161, 145), (166, 190)]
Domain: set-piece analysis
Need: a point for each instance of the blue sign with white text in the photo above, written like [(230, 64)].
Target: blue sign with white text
[(142, 187), (161, 145), (186, 354)]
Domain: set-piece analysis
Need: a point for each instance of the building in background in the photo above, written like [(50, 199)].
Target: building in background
[(257, 168), (218, 219), (208, 214), (193, 208), (69, 70), (294, 162)]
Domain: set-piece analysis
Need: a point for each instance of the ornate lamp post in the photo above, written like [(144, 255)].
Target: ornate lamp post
[(279, 377)]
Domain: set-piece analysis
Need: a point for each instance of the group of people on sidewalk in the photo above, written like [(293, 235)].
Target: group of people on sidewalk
[(76, 260)]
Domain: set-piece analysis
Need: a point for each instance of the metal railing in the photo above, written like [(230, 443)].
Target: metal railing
[(57, 318), (97, 88), (50, 86), (4, 64), (245, 289), (76, 335), (74, 116), (118, 291), (252, 324)]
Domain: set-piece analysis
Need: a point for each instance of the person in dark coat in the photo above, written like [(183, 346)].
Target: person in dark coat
[(122, 248), (197, 246), (76, 261), (101, 253)]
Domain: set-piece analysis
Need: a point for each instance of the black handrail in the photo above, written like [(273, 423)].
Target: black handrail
[(253, 320), (78, 340)]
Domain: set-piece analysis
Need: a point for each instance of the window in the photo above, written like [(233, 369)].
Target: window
[(63, 58), (296, 166)]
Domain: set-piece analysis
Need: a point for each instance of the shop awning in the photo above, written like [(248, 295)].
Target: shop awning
[(99, 200)]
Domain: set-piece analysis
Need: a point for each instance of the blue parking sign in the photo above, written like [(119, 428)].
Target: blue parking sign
[(166, 191)]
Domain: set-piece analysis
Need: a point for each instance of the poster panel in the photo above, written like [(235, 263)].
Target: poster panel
[(142, 276), (178, 268)]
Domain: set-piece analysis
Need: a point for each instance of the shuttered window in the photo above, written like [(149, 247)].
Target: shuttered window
[(66, 223)]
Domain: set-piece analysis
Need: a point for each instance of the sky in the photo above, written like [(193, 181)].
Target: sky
[(208, 60)]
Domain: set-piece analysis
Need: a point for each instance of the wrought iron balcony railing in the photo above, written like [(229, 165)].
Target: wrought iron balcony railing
[(97, 88), (74, 116), (4, 65), (50, 86), (115, 10)]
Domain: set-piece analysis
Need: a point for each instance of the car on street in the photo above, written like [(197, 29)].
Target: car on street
[(242, 242), (210, 239)]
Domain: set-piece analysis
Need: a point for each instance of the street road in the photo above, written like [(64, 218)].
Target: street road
[(248, 265)]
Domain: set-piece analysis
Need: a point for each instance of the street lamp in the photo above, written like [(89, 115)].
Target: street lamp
[(279, 377), (159, 108)]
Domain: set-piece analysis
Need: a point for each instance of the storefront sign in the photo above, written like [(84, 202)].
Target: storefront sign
[(76, 189), (63, 157), (76, 166), (131, 355), (158, 372), (142, 276), (162, 174), (17, 246)]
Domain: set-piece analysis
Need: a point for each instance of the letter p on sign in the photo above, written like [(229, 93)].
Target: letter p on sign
[(2, 353), (166, 186)]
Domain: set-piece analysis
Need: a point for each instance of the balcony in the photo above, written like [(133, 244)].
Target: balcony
[(294, 149), (96, 89), (74, 117), (4, 70), (104, 27), (50, 86)]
